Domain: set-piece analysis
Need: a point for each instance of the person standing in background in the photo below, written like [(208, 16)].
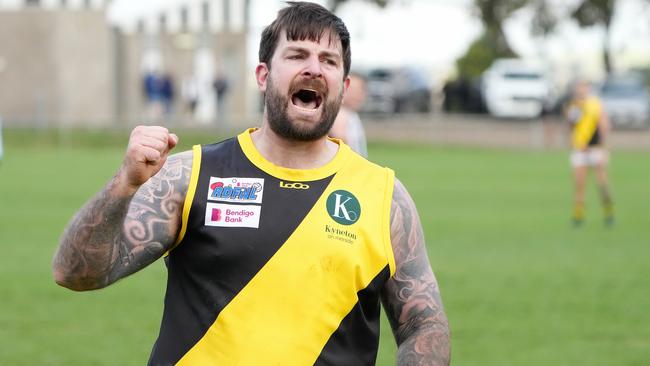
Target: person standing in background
[(221, 86), (168, 94), (347, 125), (590, 128)]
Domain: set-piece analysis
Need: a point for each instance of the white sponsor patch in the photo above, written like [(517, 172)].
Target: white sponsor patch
[(234, 189), (220, 214)]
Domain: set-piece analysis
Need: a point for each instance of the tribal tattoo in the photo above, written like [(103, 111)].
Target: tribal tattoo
[(412, 297), (112, 237)]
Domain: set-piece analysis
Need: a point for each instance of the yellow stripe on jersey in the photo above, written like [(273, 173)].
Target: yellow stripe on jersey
[(587, 124), (191, 190), (291, 307)]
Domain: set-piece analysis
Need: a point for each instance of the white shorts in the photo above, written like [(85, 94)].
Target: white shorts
[(591, 157)]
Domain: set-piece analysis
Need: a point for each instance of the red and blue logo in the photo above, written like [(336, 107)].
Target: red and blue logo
[(235, 189)]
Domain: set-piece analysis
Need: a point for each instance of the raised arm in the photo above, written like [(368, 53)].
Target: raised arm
[(132, 221), (411, 297)]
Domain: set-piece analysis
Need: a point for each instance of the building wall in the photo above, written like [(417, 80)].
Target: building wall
[(231, 60), (58, 67), (69, 67)]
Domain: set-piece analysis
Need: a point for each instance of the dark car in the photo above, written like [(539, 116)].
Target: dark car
[(397, 90)]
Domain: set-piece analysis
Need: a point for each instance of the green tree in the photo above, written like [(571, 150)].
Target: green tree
[(544, 20), (590, 13), (492, 44), (478, 57), (334, 4), (493, 13), (597, 12)]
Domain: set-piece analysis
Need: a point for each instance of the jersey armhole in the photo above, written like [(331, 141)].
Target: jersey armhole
[(386, 224), (189, 197)]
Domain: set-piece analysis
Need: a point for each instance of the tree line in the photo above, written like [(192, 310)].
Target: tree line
[(547, 14)]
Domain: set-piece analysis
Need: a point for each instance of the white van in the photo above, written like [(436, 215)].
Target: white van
[(515, 88)]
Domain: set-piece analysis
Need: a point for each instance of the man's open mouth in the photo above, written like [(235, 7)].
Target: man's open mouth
[(307, 99)]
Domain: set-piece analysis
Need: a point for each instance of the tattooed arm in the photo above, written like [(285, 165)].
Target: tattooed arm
[(132, 221), (411, 297)]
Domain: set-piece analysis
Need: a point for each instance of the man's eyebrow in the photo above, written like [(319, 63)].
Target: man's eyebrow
[(335, 55), (305, 50), (296, 49)]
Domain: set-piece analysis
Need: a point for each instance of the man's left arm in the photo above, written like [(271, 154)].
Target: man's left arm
[(604, 125), (411, 297)]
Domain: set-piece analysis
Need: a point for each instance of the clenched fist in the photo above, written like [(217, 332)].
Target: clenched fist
[(145, 155)]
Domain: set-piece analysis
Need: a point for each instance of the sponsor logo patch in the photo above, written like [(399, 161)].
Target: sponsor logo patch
[(241, 190), (343, 207), (293, 185), (335, 233), (220, 214)]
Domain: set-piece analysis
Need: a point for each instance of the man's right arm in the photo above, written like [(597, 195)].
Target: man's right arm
[(133, 221)]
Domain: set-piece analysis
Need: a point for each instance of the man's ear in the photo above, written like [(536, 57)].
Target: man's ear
[(261, 75), (346, 85)]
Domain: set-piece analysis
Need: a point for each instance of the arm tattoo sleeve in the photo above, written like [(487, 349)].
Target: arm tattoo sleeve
[(412, 298), (112, 237)]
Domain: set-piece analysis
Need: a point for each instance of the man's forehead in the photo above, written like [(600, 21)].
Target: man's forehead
[(328, 42)]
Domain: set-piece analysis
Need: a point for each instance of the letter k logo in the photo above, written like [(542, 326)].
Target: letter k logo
[(339, 207), (343, 207)]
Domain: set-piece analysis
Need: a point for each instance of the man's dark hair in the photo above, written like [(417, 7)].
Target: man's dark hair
[(305, 21)]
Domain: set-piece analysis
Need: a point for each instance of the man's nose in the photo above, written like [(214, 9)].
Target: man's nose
[(312, 68)]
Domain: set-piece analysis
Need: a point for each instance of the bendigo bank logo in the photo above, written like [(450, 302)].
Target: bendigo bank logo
[(216, 214), (228, 215), (343, 207), (248, 190)]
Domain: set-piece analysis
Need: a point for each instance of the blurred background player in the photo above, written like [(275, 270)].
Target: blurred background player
[(347, 125), (590, 126)]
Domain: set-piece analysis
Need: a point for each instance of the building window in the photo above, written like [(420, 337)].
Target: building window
[(205, 14), (162, 21), (184, 19), (226, 14)]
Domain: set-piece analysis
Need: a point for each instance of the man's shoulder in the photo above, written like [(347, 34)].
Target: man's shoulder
[(361, 162)]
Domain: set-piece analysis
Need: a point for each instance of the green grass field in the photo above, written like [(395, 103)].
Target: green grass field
[(520, 285)]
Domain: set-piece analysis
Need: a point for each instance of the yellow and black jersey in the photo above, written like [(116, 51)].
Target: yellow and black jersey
[(586, 117), (277, 266)]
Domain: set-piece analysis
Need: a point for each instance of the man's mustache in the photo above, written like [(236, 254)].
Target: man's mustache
[(316, 85)]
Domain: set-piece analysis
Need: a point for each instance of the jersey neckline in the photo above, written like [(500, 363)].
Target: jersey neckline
[(251, 152)]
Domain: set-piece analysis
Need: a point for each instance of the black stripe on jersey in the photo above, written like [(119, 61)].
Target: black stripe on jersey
[(595, 138), (352, 344), (213, 264)]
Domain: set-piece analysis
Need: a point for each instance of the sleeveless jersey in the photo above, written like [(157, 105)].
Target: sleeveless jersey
[(585, 129), (277, 266)]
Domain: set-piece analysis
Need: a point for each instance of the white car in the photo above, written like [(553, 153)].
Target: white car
[(626, 100), (515, 88)]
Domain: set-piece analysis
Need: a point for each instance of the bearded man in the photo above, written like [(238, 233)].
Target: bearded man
[(280, 243)]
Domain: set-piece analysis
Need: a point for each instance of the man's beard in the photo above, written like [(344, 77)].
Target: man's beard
[(276, 112)]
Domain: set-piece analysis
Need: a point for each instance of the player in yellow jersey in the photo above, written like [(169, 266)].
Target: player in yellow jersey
[(590, 127), (281, 243)]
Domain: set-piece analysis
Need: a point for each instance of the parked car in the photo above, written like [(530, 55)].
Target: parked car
[(626, 99), (515, 88), (397, 90)]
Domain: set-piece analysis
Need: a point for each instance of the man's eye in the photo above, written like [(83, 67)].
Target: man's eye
[(295, 57)]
